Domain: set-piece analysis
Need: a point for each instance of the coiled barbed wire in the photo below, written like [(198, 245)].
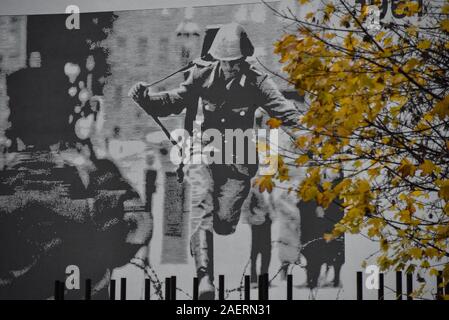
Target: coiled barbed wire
[(300, 248), (157, 284), (145, 265)]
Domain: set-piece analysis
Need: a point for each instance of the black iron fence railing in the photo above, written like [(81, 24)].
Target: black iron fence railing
[(170, 288), (440, 291)]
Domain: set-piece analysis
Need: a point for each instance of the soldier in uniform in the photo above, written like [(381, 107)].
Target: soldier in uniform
[(231, 89)]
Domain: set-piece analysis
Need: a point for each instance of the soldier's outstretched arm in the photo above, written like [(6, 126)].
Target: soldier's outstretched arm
[(277, 106), (165, 103)]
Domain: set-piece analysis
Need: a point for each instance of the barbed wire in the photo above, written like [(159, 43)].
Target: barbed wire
[(404, 295), (300, 248), (158, 284), (185, 293)]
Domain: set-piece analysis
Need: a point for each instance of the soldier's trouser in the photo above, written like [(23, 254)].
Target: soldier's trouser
[(217, 195), (260, 244)]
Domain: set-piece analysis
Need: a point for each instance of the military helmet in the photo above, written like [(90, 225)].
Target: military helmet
[(231, 43)]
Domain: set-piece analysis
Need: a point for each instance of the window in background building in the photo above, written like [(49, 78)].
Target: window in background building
[(163, 50), (142, 50)]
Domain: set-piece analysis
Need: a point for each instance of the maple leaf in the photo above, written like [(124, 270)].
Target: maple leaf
[(445, 25), (406, 168), (274, 123), (427, 167), (265, 183)]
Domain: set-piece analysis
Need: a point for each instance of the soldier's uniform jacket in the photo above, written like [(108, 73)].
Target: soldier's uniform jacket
[(225, 104), (61, 209)]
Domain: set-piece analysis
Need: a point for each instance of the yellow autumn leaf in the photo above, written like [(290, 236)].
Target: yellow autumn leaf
[(302, 140), (363, 186), (373, 172), (406, 168), (412, 8), (411, 64), (283, 174), (302, 160), (384, 245), (274, 123), (405, 216), (444, 189), (417, 193), (441, 108), (328, 150), (424, 45), (310, 15), (412, 30), (309, 193), (355, 213), (357, 164), (416, 253), (328, 237), (433, 272), (330, 8), (403, 197), (265, 183), (388, 41), (445, 9), (428, 117), (394, 111), (427, 167), (445, 25)]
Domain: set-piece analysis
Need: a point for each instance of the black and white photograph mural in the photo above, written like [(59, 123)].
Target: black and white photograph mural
[(89, 174), (135, 144)]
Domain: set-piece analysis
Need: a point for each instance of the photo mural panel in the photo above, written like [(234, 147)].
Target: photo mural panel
[(90, 185)]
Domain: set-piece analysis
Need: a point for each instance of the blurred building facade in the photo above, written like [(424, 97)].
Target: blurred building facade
[(142, 46)]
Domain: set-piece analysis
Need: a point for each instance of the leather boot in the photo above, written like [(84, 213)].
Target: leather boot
[(206, 288)]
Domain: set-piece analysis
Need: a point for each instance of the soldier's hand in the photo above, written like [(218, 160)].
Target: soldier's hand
[(137, 91)]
